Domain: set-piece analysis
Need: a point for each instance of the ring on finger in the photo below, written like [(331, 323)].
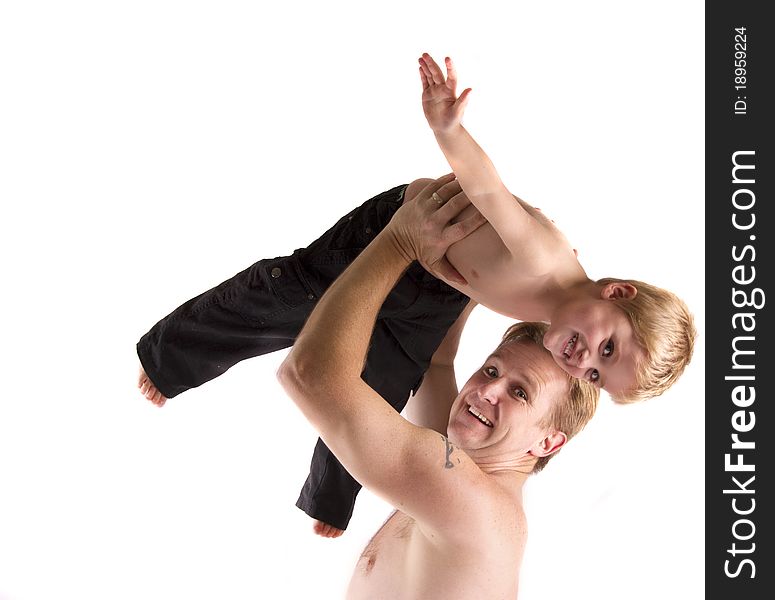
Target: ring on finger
[(439, 200)]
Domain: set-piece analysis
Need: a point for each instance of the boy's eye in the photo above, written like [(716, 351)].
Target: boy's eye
[(594, 376), (609, 348), (520, 393)]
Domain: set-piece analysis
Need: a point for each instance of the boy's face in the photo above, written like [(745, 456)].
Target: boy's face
[(593, 339), (501, 408)]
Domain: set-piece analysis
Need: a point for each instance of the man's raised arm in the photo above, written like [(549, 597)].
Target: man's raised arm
[(378, 447)]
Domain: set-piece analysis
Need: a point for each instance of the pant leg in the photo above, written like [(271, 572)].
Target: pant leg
[(259, 310)]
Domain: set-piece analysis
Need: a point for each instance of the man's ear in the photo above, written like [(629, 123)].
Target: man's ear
[(618, 290), (549, 445)]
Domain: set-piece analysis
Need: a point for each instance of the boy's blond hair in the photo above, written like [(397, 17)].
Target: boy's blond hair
[(664, 327), (571, 415)]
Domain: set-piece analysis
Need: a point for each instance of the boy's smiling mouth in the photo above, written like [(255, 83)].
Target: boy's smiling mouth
[(569, 347)]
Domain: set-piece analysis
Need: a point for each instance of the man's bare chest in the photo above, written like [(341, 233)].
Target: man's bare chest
[(389, 542)]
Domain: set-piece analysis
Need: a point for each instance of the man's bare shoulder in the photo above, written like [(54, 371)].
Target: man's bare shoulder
[(482, 502)]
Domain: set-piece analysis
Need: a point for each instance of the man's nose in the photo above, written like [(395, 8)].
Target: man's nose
[(490, 392)]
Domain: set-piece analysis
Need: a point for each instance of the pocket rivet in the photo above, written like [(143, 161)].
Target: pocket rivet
[(276, 272)]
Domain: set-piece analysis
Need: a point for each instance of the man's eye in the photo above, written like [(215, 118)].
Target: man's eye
[(491, 371), (609, 348)]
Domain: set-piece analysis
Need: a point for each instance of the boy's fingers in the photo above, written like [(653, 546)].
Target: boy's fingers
[(451, 71), (424, 79), (462, 101), (426, 69), (438, 76)]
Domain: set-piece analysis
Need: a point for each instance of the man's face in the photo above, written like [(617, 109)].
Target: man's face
[(500, 409), (594, 340)]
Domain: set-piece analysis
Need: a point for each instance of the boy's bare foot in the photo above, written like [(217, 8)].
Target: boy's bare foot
[(149, 390), (326, 530)]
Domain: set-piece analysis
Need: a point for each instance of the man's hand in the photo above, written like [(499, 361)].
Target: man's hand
[(422, 230), (441, 105)]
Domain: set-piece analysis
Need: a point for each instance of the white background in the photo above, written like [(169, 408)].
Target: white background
[(151, 149)]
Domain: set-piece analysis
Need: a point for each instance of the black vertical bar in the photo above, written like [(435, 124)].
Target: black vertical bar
[(739, 335)]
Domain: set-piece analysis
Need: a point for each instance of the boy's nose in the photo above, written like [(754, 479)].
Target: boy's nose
[(583, 359), (574, 371)]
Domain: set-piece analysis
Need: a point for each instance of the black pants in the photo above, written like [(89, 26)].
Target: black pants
[(263, 308)]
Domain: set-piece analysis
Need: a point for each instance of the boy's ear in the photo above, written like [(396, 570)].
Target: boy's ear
[(618, 290), (549, 445)]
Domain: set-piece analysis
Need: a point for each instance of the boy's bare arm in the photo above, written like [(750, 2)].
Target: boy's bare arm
[(429, 407), (477, 175)]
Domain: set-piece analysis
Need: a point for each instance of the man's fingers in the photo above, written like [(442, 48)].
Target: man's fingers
[(445, 269), (457, 231), (447, 191), (452, 207), (435, 185)]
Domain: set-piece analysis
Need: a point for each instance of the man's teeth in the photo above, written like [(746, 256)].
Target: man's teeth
[(568, 352), (480, 416)]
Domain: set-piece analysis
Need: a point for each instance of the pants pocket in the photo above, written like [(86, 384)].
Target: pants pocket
[(287, 281)]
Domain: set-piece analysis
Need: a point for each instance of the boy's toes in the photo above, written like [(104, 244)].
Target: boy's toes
[(149, 390), (158, 398), (325, 530)]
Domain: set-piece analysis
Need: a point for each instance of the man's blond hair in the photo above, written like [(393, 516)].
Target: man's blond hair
[(664, 327), (574, 410)]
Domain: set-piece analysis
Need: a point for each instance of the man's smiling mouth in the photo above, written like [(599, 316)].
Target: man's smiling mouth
[(480, 416)]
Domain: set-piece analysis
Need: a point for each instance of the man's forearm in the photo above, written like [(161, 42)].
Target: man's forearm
[(474, 169), (331, 349)]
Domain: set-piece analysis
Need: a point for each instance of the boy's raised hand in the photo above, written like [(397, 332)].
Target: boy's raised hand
[(442, 107)]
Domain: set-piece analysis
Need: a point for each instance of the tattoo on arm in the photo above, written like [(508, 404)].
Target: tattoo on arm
[(449, 448)]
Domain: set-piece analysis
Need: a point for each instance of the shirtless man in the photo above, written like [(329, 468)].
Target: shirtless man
[(518, 264), (459, 530)]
